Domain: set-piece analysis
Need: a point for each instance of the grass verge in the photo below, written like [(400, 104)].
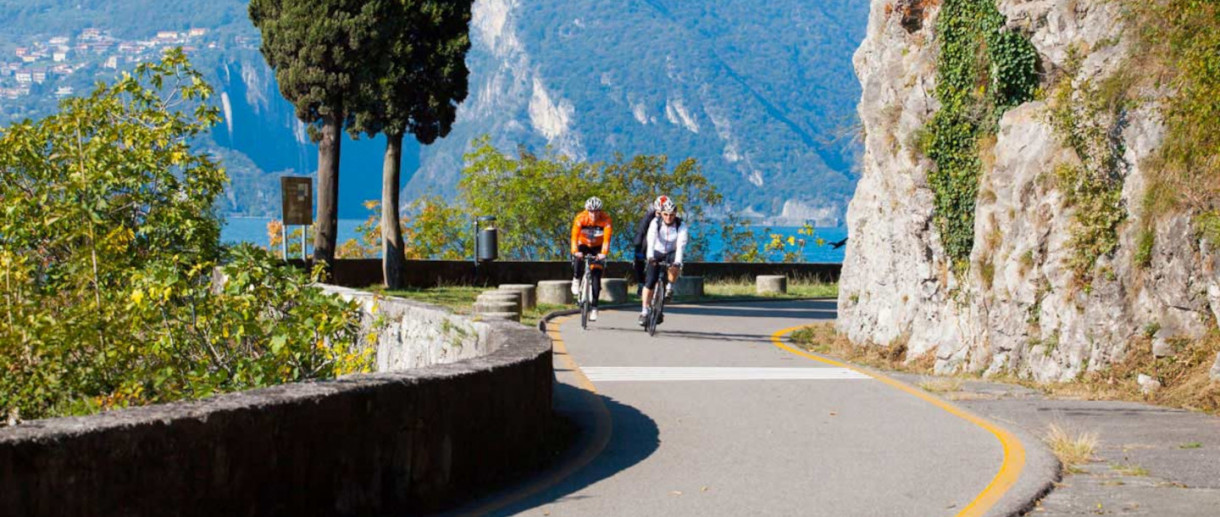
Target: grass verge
[(460, 298)]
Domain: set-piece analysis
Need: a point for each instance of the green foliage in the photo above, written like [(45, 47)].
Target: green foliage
[(1184, 37), (535, 198), (1143, 247), (1087, 118), (1097, 213), (1208, 224), (107, 248), (317, 49), (418, 69), (984, 70), (740, 244), (792, 249)]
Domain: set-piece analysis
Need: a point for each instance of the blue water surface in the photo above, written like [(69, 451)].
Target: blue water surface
[(254, 230)]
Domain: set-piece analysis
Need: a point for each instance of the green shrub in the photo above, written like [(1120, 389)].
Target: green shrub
[(108, 243)]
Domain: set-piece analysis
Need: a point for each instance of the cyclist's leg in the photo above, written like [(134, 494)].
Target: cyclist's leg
[(670, 275), (578, 268), (595, 276), (650, 282), (639, 264)]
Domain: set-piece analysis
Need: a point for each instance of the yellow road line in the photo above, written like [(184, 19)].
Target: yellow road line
[(601, 431), (1014, 452)]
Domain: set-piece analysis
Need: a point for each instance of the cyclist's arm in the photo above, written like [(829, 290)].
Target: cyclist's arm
[(575, 234), (681, 244), (606, 238), (651, 238)]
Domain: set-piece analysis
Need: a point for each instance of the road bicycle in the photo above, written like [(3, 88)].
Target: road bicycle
[(585, 299), (656, 312)]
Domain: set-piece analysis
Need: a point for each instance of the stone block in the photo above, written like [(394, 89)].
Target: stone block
[(1215, 371), (502, 296), (529, 294), (614, 290), (689, 286), (512, 316), (491, 306), (771, 284), (555, 292), (1148, 385)]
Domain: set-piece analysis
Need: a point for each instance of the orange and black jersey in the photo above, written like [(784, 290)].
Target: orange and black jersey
[(592, 231)]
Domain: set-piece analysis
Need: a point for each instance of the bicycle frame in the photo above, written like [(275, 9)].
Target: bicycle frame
[(585, 301), (658, 297)]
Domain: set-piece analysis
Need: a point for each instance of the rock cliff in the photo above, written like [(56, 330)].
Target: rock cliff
[(1066, 272)]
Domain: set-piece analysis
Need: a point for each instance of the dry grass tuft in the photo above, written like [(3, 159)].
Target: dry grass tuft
[(823, 339), (1072, 448), (1185, 377)]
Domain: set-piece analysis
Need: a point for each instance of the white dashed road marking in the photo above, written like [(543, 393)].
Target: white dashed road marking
[(640, 373)]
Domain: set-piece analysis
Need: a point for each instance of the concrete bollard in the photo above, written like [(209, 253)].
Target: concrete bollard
[(485, 307), (689, 286), (512, 316), (614, 290), (501, 296), (771, 284), (555, 292), (529, 294)]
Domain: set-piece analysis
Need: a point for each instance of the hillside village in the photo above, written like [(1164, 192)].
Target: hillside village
[(41, 67)]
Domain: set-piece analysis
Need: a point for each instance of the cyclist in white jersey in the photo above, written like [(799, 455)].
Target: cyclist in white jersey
[(666, 240)]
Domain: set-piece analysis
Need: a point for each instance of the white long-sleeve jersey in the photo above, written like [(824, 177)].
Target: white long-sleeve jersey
[(664, 238)]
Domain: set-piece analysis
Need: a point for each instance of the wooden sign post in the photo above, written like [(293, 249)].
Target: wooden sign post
[(297, 195)]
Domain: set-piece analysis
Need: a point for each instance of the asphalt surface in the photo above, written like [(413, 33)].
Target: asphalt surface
[(710, 418), (1150, 461)]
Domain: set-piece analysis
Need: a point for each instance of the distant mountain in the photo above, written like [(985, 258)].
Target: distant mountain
[(761, 94)]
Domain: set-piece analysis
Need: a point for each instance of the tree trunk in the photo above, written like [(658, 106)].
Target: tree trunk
[(328, 193), (393, 260)]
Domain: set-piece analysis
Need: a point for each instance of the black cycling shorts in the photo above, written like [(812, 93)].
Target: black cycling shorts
[(654, 271)]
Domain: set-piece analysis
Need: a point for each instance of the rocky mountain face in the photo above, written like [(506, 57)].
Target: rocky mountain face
[(1024, 300), (758, 93), (260, 139)]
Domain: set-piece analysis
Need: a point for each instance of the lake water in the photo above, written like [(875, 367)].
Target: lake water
[(254, 230)]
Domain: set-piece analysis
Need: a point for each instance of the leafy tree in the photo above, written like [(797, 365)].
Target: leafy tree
[(421, 77), (535, 198), (320, 52), (108, 245)]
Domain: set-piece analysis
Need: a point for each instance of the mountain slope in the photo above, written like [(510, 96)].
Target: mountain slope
[(756, 93)]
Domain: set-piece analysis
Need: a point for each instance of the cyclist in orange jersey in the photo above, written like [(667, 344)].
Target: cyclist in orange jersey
[(590, 235)]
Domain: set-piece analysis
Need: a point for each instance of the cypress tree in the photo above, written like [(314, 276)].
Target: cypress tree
[(421, 76), (318, 49)]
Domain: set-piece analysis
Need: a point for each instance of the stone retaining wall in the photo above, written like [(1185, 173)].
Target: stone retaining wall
[(405, 441)]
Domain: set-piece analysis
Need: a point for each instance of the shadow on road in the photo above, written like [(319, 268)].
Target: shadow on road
[(633, 437)]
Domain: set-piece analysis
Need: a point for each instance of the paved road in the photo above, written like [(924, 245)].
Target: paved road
[(710, 418)]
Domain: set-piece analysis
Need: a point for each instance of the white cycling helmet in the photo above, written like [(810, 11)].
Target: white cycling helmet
[(660, 200), (666, 206), (593, 204)]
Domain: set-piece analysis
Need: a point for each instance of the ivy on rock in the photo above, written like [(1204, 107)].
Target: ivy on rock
[(984, 69)]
